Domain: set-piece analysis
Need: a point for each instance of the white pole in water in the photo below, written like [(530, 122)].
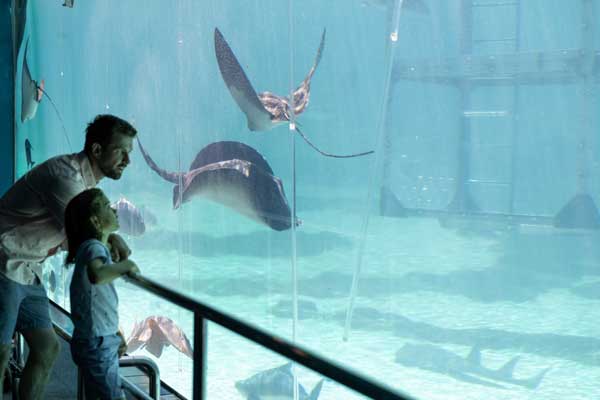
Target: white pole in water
[(390, 48), (292, 128)]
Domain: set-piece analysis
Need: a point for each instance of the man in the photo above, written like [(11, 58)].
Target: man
[(32, 229)]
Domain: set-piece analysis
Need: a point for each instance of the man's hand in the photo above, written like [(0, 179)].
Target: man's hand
[(118, 248), (123, 345)]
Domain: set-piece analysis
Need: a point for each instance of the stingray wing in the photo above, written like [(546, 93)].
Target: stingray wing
[(134, 341), (172, 177), (302, 92), (29, 91), (175, 336), (229, 150), (243, 187), (240, 87)]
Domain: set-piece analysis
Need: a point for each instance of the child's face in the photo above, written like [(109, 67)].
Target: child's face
[(106, 215)]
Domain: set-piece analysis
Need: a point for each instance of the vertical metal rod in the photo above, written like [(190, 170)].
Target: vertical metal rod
[(294, 249), (515, 115), (462, 201), (392, 41), (199, 367), (587, 34)]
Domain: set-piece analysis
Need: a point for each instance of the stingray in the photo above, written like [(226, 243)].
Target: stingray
[(234, 175), (31, 92), (131, 220), (266, 110), (31, 96), (157, 332)]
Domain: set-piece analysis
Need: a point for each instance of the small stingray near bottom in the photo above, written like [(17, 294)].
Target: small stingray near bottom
[(234, 175), (276, 383)]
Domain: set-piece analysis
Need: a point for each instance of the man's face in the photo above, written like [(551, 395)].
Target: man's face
[(114, 158)]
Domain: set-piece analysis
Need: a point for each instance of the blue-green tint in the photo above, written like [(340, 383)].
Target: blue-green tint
[(470, 234)]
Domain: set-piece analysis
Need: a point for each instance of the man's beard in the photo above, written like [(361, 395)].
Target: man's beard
[(112, 173)]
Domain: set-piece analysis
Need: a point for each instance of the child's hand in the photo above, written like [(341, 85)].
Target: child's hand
[(133, 269), (118, 248)]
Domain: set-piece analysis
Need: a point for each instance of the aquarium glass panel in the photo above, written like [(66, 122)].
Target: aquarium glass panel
[(456, 258)]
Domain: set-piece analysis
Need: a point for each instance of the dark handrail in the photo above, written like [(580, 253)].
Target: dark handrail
[(299, 354)]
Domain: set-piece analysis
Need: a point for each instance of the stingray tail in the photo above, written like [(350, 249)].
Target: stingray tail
[(329, 154), (319, 54), (62, 122), (172, 177)]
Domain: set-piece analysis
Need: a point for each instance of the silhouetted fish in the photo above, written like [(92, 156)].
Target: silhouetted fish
[(276, 383), (157, 332), (31, 92), (440, 360), (131, 221), (28, 149), (265, 110), (234, 175), (69, 3)]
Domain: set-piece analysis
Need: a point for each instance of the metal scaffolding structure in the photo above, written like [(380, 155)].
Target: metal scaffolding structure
[(511, 68)]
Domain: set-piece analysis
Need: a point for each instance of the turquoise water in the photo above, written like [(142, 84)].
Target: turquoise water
[(507, 288)]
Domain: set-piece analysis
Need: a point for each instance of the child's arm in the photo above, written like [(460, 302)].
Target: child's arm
[(99, 273)]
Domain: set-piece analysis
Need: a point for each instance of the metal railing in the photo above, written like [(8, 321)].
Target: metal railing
[(203, 313)]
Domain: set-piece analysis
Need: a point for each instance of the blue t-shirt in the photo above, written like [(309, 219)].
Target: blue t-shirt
[(94, 308)]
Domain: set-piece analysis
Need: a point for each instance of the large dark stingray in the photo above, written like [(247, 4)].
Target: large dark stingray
[(266, 110), (235, 175)]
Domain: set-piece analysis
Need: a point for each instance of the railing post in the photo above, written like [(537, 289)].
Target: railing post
[(199, 377)]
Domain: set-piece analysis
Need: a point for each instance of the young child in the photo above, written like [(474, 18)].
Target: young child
[(97, 344)]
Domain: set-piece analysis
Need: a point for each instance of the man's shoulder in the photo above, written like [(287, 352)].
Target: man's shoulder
[(61, 166)]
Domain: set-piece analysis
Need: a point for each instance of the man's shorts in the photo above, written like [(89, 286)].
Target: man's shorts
[(98, 360), (22, 308)]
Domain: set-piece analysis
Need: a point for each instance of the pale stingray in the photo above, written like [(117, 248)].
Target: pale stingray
[(31, 96), (31, 92), (234, 175), (266, 110), (157, 332)]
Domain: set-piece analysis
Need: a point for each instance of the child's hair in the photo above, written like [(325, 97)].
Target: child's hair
[(78, 223)]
